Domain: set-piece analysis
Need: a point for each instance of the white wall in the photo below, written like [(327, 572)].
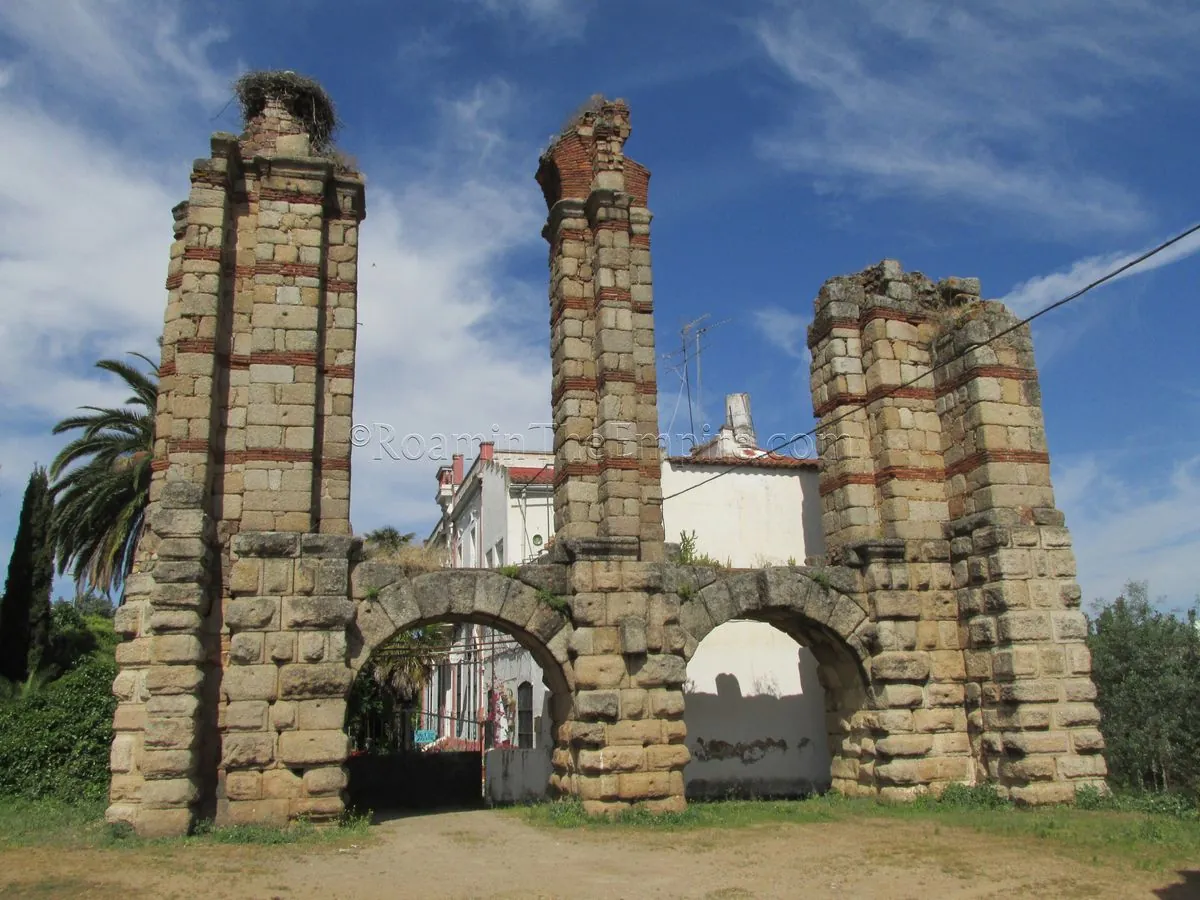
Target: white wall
[(530, 513), (495, 516), (750, 518), (755, 715)]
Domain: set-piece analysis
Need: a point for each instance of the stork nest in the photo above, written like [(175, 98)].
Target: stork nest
[(302, 97)]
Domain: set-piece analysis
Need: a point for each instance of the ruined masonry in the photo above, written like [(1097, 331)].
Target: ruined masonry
[(945, 620)]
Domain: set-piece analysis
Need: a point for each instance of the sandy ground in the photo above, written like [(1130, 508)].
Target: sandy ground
[(494, 854)]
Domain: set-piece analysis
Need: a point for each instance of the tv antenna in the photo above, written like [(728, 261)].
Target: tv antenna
[(695, 330)]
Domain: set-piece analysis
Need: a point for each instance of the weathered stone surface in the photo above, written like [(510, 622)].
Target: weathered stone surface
[(326, 680), (900, 666), (255, 614), (661, 670), (312, 748), (317, 612), (266, 544), (633, 636)]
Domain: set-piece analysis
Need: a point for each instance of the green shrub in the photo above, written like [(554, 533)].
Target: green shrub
[(54, 742)]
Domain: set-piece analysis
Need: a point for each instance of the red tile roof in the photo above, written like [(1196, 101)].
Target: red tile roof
[(531, 474)]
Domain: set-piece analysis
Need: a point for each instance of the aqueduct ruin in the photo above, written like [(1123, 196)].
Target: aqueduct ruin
[(945, 619)]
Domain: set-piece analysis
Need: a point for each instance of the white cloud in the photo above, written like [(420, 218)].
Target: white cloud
[(971, 104), (784, 330), (1040, 291), (448, 345), (138, 55), (1132, 529)]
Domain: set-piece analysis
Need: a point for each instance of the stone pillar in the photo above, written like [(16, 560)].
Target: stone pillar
[(165, 688), (252, 432), (624, 743), (604, 394), (286, 678), (911, 462), (1014, 569)]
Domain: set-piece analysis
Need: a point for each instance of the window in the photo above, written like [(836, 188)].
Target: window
[(525, 715)]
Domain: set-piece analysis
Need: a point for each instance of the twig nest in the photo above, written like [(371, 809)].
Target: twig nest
[(303, 98)]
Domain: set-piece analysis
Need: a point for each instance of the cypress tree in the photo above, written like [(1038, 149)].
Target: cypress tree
[(25, 609)]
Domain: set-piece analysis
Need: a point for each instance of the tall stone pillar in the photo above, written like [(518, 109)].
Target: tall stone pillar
[(252, 435), (604, 394), (935, 487), (1014, 568)]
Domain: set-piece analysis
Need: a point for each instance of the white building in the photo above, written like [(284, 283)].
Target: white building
[(755, 713)]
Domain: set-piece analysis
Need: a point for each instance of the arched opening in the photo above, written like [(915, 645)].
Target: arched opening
[(777, 660), (755, 714), (483, 694)]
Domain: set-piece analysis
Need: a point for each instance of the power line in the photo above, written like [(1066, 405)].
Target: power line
[(861, 404)]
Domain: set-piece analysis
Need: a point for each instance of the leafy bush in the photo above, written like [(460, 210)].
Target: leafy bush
[(54, 742), (1146, 665)]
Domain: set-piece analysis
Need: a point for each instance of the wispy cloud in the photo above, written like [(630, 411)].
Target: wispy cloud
[(445, 345), (552, 18), (786, 331), (1128, 528), (1042, 290), (973, 104), (137, 55)]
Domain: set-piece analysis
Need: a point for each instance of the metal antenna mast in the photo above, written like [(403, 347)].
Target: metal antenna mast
[(683, 337)]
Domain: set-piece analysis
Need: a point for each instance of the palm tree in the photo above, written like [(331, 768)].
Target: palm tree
[(389, 539), (100, 504)]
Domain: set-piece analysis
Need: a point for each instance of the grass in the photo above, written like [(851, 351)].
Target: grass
[(26, 823), (1150, 841)]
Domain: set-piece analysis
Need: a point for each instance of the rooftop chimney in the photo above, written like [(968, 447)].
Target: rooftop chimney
[(487, 450), (457, 465), (737, 417)]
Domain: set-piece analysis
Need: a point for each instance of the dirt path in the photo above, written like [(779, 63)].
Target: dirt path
[(494, 854)]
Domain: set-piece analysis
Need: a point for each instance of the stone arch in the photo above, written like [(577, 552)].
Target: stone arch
[(391, 602), (832, 625)]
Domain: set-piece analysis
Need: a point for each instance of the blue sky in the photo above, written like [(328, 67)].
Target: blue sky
[(1031, 144)]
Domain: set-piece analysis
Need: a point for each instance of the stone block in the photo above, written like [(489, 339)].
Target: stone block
[(640, 732), (173, 679), (281, 646), (246, 648), (244, 785), (612, 759), (911, 667), (633, 704), (324, 780), (245, 577), (250, 683), (317, 612), (169, 734), (592, 672), (254, 614), (244, 750), (904, 745), (281, 784), (667, 756), (266, 544), (266, 812), (661, 670), (321, 715), (633, 636), (666, 703), (313, 748), (167, 763), (246, 715), (323, 681), (591, 704)]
